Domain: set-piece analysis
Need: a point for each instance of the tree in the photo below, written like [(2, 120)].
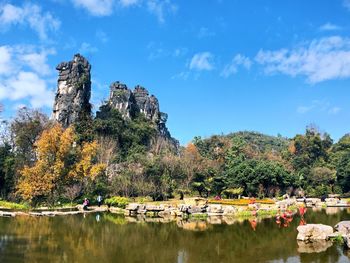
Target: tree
[(191, 163), (7, 170), (59, 162), (343, 172), (25, 130)]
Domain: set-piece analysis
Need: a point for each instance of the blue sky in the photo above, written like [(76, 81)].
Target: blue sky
[(216, 66)]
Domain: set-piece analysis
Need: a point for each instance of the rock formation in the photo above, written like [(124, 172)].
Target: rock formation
[(130, 103), (73, 91)]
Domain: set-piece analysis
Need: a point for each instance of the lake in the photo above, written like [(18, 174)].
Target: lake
[(106, 237)]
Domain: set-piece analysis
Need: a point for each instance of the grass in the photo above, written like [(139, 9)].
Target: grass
[(267, 212), (338, 239), (11, 205)]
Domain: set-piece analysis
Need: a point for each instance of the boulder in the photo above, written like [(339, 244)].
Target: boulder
[(313, 202), (255, 206), (314, 232), (343, 227), (230, 210), (215, 209), (331, 201), (132, 207), (7, 214), (154, 208), (184, 208), (346, 239), (196, 209)]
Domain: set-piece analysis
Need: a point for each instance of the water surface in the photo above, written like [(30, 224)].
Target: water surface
[(109, 238)]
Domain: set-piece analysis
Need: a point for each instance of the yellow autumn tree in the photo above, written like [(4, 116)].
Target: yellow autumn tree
[(59, 160)]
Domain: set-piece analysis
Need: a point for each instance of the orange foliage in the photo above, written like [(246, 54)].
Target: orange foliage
[(55, 150), (292, 148)]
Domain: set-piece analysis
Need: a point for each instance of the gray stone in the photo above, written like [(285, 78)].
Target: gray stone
[(346, 239), (132, 207), (215, 209), (343, 227), (314, 232), (73, 91), (196, 209), (229, 210)]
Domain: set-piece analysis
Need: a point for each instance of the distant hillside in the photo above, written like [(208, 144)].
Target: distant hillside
[(262, 142)]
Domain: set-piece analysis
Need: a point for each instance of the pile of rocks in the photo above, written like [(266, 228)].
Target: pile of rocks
[(317, 237), (182, 210)]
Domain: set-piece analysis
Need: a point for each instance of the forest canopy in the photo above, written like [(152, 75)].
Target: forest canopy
[(41, 162)]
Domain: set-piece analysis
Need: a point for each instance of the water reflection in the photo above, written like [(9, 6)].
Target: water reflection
[(111, 238)]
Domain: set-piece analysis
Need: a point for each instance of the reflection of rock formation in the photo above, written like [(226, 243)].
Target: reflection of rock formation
[(73, 91), (332, 210), (315, 246), (195, 225)]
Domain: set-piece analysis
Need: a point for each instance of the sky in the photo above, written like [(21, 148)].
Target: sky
[(216, 66)]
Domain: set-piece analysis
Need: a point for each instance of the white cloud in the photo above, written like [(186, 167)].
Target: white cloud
[(5, 60), (96, 7), (319, 106), (319, 60), (304, 109), (22, 75), (31, 15), (334, 110), (87, 48), (38, 61), (329, 27), (127, 3), (346, 4), (160, 7), (202, 61), (232, 68), (29, 85)]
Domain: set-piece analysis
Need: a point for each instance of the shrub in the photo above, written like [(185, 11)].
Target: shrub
[(10, 205), (117, 201)]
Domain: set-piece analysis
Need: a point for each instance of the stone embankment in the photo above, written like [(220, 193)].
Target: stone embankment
[(53, 212), (200, 210)]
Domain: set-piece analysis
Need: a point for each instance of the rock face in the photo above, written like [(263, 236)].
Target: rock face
[(343, 227), (311, 232), (138, 101), (73, 91)]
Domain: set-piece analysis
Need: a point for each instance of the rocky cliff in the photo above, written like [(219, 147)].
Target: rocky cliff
[(73, 91), (138, 101)]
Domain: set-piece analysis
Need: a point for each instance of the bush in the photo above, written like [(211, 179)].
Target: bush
[(10, 205), (117, 201)]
